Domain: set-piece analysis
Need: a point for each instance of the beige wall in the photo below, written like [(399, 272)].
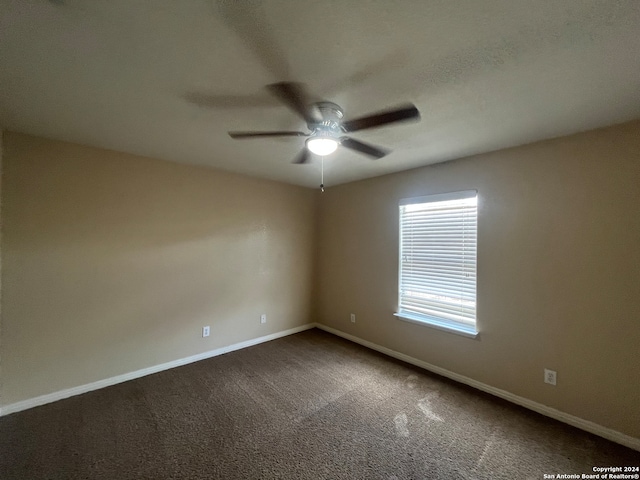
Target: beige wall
[(113, 263), (558, 270), (1, 353)]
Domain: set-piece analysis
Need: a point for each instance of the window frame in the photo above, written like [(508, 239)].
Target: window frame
[(441, 323)]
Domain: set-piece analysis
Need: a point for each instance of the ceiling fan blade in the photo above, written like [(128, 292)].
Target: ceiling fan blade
[(295, 97), (266, 134), (361, 147), (302, 157), (409, 112)]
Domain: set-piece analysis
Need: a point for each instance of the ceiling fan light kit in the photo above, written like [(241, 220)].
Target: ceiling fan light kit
[(325, 135), (322, 146)]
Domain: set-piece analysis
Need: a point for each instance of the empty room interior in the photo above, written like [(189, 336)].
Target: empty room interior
[(302, 239)]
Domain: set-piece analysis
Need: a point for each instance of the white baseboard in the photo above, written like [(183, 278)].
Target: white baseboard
[(572, 420), (70, 392)]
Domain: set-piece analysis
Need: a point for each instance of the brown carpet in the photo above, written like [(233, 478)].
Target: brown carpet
[(308, 406)]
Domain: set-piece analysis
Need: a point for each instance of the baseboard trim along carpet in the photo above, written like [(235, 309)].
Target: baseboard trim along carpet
[(572, 420), (70, 392)]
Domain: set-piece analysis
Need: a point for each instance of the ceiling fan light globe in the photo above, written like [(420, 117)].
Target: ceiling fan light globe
[(322, 146)]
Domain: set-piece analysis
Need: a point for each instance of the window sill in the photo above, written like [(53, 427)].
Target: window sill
[(440, 324)]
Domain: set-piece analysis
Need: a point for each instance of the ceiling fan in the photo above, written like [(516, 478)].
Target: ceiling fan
[(326, 124)]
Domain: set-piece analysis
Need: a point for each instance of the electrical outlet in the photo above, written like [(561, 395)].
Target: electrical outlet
[(263, 318), (549, 376), (353, 318), (205, 331)]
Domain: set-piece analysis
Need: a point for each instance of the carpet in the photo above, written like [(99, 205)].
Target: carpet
[(306, 406)]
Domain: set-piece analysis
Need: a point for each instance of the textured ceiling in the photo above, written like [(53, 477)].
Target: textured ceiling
[(168, 79)]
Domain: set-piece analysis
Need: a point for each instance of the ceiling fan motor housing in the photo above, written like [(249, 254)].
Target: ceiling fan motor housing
[(331, 124)]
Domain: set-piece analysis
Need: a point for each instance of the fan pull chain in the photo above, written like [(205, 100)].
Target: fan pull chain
[(322, 173)]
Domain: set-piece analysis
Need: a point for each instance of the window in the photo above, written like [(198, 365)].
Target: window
[(437, 280)]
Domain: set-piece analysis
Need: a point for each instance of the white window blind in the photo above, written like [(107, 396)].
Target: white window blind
[(438, 245)]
